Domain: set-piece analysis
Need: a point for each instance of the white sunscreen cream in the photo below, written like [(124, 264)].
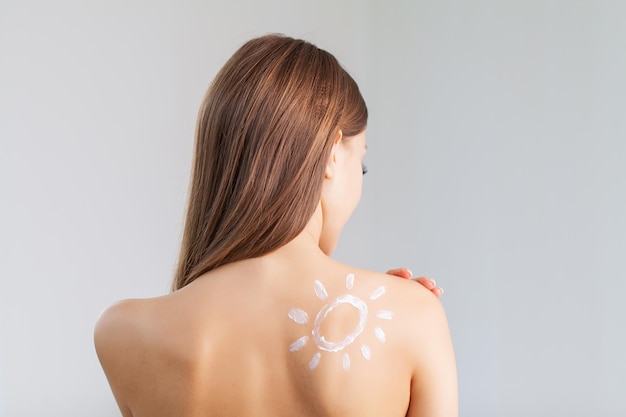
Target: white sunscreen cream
[(301, 317)]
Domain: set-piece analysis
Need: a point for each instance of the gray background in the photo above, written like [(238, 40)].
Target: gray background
[(497, 166)]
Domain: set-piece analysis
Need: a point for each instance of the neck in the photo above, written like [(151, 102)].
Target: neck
[(305, 247), (301, 253), (308, 241)]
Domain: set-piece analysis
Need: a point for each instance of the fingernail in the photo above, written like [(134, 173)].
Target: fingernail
[(434, 282), (441, 291)]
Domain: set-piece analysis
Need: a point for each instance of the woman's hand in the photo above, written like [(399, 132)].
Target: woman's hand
[(428, 283)]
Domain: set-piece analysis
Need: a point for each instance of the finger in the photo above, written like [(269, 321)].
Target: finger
[(429, 283), (438, 291), (401, 272)]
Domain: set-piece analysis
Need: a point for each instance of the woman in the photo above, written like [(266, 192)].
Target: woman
[(261, 320)]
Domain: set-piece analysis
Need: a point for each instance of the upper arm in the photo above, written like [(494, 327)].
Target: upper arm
[(112, 335), (434, 390)]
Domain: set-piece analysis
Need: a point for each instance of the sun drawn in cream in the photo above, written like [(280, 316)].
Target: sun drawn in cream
[(301, 317)]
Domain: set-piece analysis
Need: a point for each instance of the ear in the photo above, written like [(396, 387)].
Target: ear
[(332, 161)]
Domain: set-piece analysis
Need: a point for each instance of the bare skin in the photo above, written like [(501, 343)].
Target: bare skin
[(221, 345)]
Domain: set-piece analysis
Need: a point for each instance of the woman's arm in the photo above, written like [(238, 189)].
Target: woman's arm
[(434, 390)]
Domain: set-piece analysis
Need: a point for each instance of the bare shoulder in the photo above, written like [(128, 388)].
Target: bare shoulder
[(419, 330), (117, 336), (116, 323), (421, 310), (410, 299), (126, 326), (418, 315)]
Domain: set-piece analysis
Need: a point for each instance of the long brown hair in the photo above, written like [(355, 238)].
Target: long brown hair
[(264, 135)]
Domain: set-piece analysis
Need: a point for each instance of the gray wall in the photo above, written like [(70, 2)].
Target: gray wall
[(497, 166)]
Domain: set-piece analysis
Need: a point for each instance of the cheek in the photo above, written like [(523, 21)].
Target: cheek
[(357, 181), (359, 171), (359, 188)]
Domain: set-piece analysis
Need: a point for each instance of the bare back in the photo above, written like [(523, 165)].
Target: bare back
[(250, 339)]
